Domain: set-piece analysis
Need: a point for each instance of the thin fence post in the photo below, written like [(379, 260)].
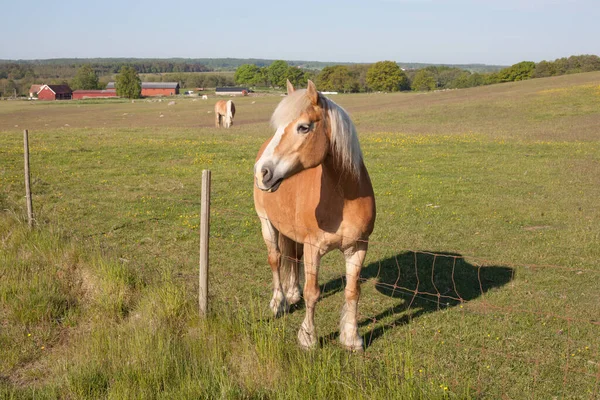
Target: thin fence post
[(204, 232), (27, 184)]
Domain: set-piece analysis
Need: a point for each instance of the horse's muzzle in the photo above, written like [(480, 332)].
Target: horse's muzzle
[(267, 180)]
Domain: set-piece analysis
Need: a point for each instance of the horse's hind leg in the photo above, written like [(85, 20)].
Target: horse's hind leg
[(217, 120), (349, 337), (291, 253), (278, 302)]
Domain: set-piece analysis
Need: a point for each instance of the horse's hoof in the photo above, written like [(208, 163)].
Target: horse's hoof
[(355, 345), (279, 307), (355, 349), (307, 340), (293, 296)]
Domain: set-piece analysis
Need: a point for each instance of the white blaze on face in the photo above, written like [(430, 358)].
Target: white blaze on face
[(267, 155), (279, 165)]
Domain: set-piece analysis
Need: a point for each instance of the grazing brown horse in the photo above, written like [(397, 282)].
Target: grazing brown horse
[(224, 113), (313, 194)]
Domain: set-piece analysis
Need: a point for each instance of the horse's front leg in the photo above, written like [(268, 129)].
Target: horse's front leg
[(355, 257), (307, 335), (278, 302)]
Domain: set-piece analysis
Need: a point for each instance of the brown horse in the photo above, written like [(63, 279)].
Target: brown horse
[(313, 194), (224, 113)]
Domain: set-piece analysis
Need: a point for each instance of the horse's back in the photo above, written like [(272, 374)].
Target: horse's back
[(221, 107)]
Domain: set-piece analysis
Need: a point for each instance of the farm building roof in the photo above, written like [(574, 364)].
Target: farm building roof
[(160, 85), (228, 89), (58, 89), (151, 85), (35, 88)]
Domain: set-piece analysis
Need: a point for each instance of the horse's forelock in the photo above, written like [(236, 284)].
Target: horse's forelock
[(290, 108)]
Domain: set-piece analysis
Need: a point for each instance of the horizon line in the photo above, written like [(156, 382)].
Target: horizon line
[(241, 58)]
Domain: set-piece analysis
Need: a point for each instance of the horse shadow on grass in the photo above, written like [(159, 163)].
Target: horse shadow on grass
[(423, 282)]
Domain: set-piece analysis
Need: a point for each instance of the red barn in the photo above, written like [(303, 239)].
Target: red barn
[(55, 92), (160, 88), (150, 89), (94, 94)]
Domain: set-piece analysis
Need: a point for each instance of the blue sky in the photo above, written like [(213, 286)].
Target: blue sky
[(432, 31)]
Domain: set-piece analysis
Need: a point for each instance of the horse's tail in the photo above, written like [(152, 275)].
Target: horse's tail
[(230, 111), (289, 268)]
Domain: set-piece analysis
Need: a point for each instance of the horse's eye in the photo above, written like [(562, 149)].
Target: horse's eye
[(305, 128)]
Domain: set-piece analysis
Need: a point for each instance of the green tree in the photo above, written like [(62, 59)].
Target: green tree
[(246, 74), (589, 63), (278, 72), (309, 75), (424, 81), (518, 72), (337, 78), (386, 76), (446, 76), (128, 83), (490, 79), (196, 81), (296, 76), (343, 81), (359, 73), (85, 78), (476, 79), (461, 81), (323, 80), (543, 69), (8, 87), (262, 77)]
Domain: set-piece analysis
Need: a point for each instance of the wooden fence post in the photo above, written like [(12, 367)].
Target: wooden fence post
[(27, 184), (204, 232)]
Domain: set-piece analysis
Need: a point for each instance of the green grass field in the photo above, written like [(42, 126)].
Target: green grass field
[(487, 194)]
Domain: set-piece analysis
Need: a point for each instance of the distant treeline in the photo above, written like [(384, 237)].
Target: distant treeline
[(232, 64), (480, 68), (451, 78), (388, 76), (67, 68), (16, 76)]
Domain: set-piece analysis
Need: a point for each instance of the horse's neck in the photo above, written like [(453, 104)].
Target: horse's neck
[(343, 181)]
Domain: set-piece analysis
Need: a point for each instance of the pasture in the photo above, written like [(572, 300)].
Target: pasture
[(489, 195)]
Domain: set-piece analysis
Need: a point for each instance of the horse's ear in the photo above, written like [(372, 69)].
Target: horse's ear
[(290, 87), (312, 93)]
